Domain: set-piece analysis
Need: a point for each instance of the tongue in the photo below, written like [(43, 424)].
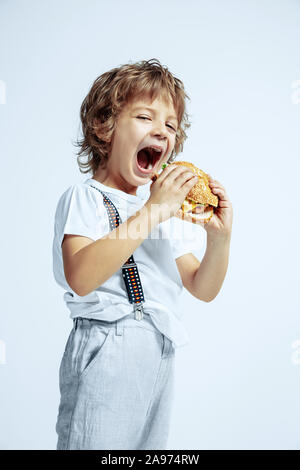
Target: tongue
[(143, 159)]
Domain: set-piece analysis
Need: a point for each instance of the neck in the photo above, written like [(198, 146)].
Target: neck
[(105, 179)]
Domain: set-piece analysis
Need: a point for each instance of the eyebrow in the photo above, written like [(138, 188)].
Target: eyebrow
[(153, 110)]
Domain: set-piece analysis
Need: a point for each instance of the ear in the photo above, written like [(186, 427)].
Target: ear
[(99, 133), (101, 136)]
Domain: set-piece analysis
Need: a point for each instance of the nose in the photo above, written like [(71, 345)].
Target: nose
[(159, 130)]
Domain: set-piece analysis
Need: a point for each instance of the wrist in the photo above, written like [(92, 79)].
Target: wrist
[(154, 214), (218, 239)]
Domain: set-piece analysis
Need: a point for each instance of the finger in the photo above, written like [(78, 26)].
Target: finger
[(187, 181), (215, 185), (210, 178), (212, 181), (217, 188), (174, 169), (219, 192)]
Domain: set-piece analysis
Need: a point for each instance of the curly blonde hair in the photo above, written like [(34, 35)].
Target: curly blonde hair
[(110, 92)]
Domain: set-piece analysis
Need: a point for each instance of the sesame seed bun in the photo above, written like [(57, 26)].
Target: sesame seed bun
[(201, 192)]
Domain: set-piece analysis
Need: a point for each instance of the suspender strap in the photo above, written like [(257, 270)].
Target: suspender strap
[(130, 271)]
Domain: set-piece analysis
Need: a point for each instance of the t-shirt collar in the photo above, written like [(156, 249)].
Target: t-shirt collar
[(121, 194)]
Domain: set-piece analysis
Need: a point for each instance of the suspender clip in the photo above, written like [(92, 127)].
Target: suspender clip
[(138, 310), (129, 265)]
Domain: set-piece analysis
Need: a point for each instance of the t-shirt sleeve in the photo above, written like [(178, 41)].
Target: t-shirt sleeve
[(80, 212), (184, 237)]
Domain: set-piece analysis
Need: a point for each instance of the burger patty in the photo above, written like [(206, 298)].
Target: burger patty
[(193, 207)]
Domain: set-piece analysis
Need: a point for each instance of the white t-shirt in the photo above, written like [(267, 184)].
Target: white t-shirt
[(80, 211)]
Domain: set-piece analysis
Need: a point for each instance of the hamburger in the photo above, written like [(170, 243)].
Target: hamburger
[(198, 206)]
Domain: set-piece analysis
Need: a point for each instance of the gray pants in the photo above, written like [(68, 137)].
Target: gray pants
[(116, 381)]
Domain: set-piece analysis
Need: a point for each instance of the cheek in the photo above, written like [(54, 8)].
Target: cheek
[(128, 141)]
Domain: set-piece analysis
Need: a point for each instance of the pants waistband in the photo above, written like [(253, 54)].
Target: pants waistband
[(129, 321)]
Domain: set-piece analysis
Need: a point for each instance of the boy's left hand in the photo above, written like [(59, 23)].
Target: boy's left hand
[(220, 224)]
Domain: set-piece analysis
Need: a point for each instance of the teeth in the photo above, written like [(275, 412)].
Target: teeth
[(150, 165)]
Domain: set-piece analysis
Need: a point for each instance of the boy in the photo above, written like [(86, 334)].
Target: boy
[(116, 376)]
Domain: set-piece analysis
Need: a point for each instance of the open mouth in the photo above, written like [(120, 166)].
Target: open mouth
[(148, 157)]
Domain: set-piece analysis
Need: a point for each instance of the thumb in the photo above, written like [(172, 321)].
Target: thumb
[(154, 177)]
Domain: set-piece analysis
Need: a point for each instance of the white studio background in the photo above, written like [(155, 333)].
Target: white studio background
[(237, 382)]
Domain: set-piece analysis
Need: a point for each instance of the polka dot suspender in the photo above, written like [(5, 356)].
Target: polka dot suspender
[(129, 269)]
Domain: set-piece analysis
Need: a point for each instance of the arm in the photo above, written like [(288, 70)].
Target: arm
[(204, 280), (209, 277), (89, 264)]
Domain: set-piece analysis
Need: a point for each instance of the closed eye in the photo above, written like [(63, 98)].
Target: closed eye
[(144, 117)]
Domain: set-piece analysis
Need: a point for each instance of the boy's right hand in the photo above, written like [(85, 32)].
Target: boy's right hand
[(170, 189)]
